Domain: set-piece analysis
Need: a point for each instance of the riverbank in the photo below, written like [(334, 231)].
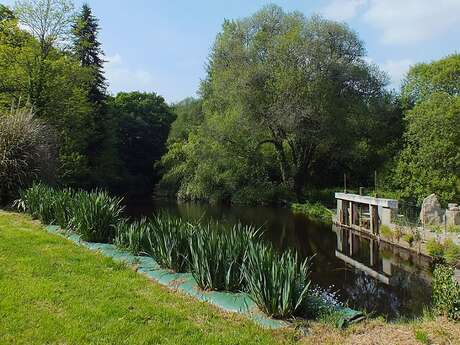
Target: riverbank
[(71, 295)]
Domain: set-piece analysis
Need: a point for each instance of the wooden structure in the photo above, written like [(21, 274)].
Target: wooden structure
[(365, 213)]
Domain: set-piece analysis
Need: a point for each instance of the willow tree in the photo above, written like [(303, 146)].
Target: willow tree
[(303, 83)]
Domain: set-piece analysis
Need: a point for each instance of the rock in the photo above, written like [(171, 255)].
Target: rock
[(431, 212), (453, 217)]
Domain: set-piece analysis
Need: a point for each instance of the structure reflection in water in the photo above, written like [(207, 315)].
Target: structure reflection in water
[(388, 278)]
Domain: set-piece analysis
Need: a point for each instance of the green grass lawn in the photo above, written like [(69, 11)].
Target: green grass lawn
[(54, 292)]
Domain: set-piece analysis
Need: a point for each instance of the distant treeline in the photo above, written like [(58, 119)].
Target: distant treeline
[(288, 106)]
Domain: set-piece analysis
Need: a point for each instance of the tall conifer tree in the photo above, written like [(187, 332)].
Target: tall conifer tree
[(88, 51)]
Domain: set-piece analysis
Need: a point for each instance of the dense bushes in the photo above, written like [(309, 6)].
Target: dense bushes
[(314, 210), (232, 259), (446, 292), (27, 151)]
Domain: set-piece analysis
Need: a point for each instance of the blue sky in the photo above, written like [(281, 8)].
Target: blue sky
[(162, 45)]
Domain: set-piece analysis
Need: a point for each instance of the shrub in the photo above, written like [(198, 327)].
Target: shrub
[(315, 211), (277, 283), (95, 215), (169, 242), (409, 238), (451, 251), (218, 255), (386, 232), (435, 248), (133, 236), (27, 152), (446, 292)]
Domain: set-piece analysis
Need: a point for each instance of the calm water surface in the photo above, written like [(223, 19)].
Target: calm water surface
[(376, 277)]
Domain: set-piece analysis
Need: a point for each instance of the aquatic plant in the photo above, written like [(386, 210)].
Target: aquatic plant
[(218, 255), (277, 283), (169, 242), (315, 211), (95, 215), (133, 235), (38, 201)]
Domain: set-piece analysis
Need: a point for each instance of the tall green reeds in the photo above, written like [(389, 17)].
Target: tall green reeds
[(95, 215), (277, 283), (169, 242), (133, 236), (218, 255), (232, 259)]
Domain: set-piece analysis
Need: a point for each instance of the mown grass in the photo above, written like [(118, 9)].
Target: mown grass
[(53, 292)]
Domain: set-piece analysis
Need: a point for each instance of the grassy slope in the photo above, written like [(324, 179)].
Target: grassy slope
[(54, 292)]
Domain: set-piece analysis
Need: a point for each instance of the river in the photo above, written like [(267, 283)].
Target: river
[(379, 278)]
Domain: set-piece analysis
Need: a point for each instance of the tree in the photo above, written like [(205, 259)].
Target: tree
[(5, 13), (143, 123), (303, 84), (47, 20), (430, 160), (55, 87), (88, 51)]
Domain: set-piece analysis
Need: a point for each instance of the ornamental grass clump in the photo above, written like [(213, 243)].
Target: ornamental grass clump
[(169, 242), (95, 216), (218, 255), (277, 283), (133, 236)]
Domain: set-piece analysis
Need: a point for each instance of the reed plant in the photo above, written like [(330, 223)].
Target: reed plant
[(277, 283), (95, 215), (133, 235), (169, 242), (218, 256), (39, 202)]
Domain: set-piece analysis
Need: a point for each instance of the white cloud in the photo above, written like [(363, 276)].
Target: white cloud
[(412, 21), (399, 21), (397, 69), (343, 9), (124, 78)]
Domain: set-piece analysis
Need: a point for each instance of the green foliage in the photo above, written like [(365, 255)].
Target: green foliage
[(315, 211), (451, 252), (435, 248), (446, 292), (143, 121), (430, 160), (27, 152), (133, 236), (422, 336), (218, 256), (264, 132), (169, 242), (277, 283), (386, 232), (453, 228), (95, 216), (409, 238)]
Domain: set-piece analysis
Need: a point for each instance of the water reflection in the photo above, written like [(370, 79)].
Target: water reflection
[(368, 275)]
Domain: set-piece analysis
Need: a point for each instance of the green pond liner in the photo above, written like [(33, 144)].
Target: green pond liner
[(232, 302)]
